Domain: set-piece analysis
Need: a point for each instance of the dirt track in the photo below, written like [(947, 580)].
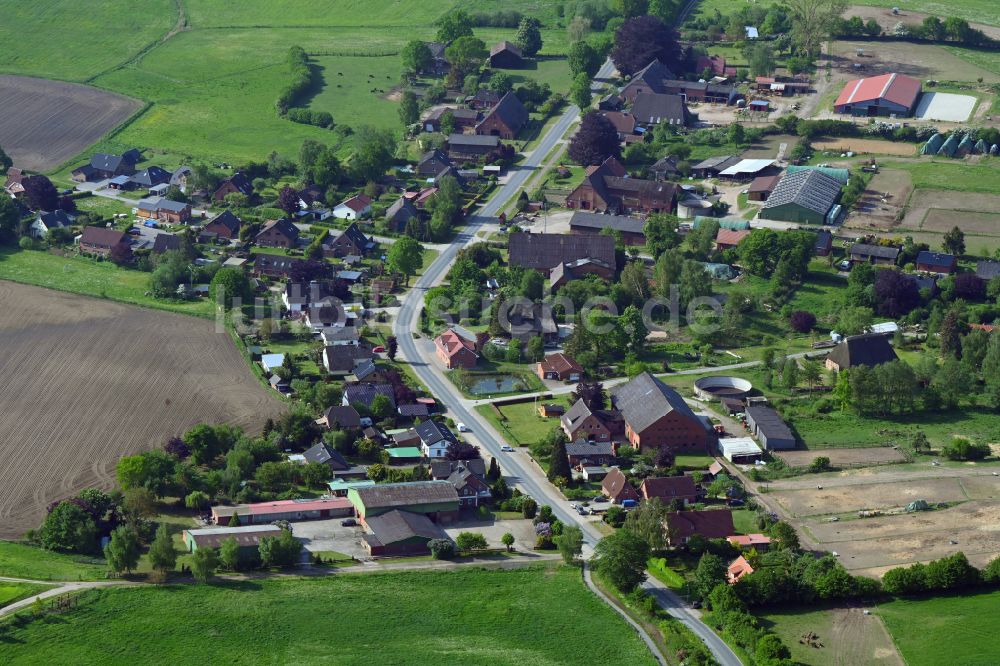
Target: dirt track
[(87, 381), (44, 123)]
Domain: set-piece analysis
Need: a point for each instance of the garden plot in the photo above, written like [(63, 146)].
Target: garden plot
[(945, 106), (935, 211)]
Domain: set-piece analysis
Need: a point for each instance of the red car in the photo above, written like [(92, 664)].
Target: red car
[(378, 350)]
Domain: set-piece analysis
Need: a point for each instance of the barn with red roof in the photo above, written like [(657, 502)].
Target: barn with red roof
[(879, 96)]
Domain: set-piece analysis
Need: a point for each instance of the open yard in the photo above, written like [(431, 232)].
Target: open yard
[(842, 636), (84, 387), (45, 123), (921, 61), (879, 495), (843, 457), (522, 425), (958, 629), (468, 617), (873, 146)]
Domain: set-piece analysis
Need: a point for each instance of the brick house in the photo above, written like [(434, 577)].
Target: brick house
[(606, 188), (656, 416), (351, 241), (101, 240), (471, 147), (560, 367), (650, 79), (224, 225), (164, 210), (617, 488), (669, 488), (630, 229), (505, 119), (580, 422), (432, 163), (712, 524), (585, 453), (457, 349), (278, 233), (238, 183)]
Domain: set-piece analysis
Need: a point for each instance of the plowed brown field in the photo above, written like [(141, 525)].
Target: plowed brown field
[(86, 381), (44, 123)]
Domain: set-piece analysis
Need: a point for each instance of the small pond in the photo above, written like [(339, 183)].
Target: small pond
[(494, 384)]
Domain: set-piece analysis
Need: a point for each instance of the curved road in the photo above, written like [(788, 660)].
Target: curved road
[(518, 468)]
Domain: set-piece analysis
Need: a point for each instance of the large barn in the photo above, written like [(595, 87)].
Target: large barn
[(889, 94)]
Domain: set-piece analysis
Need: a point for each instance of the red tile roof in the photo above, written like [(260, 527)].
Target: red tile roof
[(668, 488), (617, 487), (452, 343), (896, 88), (716, 524), (731, 236), (737, 569), (749, 540), (560, 363)]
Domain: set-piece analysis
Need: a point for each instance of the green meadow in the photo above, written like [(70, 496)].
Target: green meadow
[(523, 617)]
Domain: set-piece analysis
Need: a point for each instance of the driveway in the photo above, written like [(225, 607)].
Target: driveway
[(329, 535), (493, 530)]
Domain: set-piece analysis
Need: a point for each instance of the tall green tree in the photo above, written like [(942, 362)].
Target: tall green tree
[(69, 528), (649, 521), (409, 111), (10, 218), (231, 285), (416, 56), (813, 21), (204, 562), (229, 554), (632, 329), (954, 241), (570, 543), (621, 558), (405, 256), (559, 463), (710, 572), (5, 161), (453, 25), (162, 554), (374, 150), (122, 551), (580, 93), (529, 36), (583, 59)]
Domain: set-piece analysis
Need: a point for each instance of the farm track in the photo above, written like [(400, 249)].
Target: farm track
[(89, 381)]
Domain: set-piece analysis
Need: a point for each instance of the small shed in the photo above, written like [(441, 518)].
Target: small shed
[(740, 450)]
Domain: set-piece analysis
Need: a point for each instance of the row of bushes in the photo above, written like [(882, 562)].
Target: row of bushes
[(322, 119), (944, 575), (730, 616), (300, 79)]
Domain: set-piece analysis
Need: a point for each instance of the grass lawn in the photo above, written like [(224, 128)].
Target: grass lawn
[(663, 573), (838, 429), (948, 174), (745, 521), (945, 630), (553, 71), (11, 592), (523, 425), (693, 461), (480, 617), (73, 42), (21, 561), (102, 206), (81, 275), (790, 625)]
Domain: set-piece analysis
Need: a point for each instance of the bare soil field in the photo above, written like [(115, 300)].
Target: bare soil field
[(874, 544), (770, 146), (844, 499), (921, 61), (88, 381), (44, 123), (843, 456), (883, 200), (944, 203), (867, 146)]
